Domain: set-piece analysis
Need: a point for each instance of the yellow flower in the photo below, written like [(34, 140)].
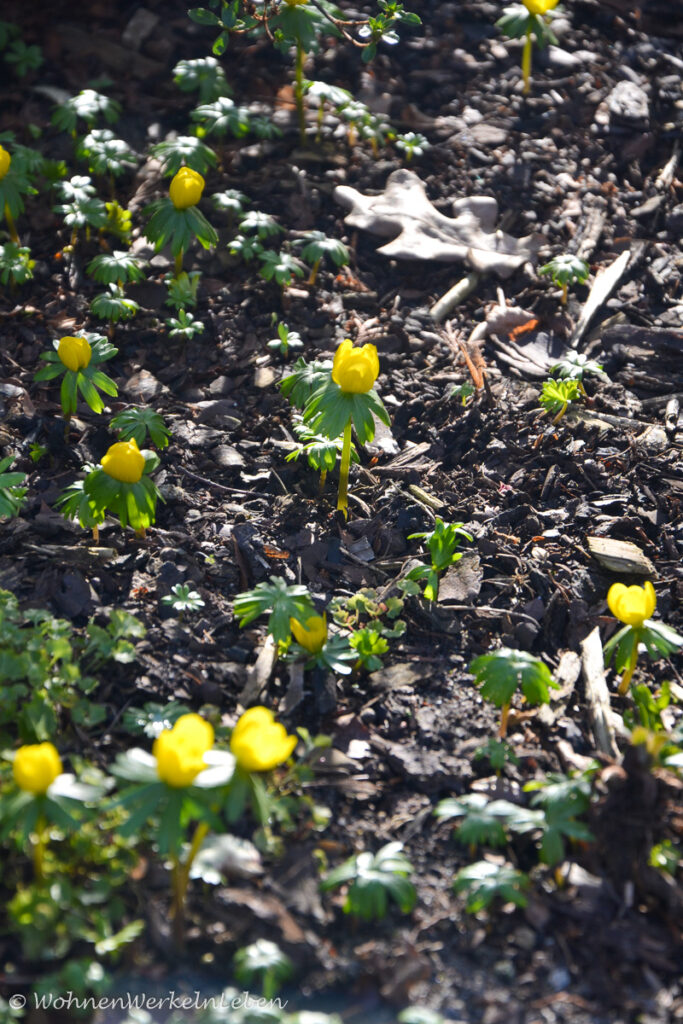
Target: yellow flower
[(355, 369), (75, 353), (632, 605), (258, 742), (295, 3), (36, 767), (186, 188), (180, 751), (313, 635), (540, 6), (5, 161), (124, 462)]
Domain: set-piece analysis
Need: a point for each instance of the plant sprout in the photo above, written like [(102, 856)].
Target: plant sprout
[(320, 451), (113, 306), (412, 144), (281, 601), (23, 58), (286, 340), (185, 327), (266, 961), (182, 290), (12, 494), (263, 225), (487, 881), (231, 201), (222, 116), (501, 673), (81, 207), (442, 542), (16, 265), (279, 265), (565, 270), (182, 599), (316, 245), (557, 396), (88, 106), (106, 154), (575, 365), (137, 423), (203, 75), (118, 267), (373, 878), (183, 151)]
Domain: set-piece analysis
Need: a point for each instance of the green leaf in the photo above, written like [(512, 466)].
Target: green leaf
[(502, 672), (485, 882), (201, 16)]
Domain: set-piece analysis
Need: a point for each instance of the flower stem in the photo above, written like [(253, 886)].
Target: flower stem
[(504, 712), (39, 850), (299, 90), (10, 225), (179, 263), (629, 670), (314, 272), (96, 534), (526, 62), (180, 882), (564, 294), (323, 478), (342, 497)]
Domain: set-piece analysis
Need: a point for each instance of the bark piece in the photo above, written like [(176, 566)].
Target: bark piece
[(404, 213)]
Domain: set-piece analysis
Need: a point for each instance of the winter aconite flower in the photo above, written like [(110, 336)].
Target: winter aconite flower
[(5, 161), (36, 767), (186, 188), (313, 635), (180, 751), (632, 605), (75, 353), (540, 6), (124, 462), (258, 742), (355, 370)]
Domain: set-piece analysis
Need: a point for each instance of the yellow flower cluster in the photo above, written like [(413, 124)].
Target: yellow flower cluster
[(75, 353), (355, 370), (186, 188), (36, 767), (180, 751), (124, 462), (259, 743), (632, 605)]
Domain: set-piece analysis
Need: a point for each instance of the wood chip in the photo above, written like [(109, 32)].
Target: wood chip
[(597, 694), (620, 556)]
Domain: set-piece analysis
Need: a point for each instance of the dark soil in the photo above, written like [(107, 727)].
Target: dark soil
[(606, 945)]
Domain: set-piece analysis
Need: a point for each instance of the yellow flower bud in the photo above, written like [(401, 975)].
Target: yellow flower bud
[(75, 353), (36, 767), (258, 742), (5, 161), (124, 461), (180, 751), (295, 3), (540, 6), (355, 370), (186, 188), (632, 605), (313, 635)]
